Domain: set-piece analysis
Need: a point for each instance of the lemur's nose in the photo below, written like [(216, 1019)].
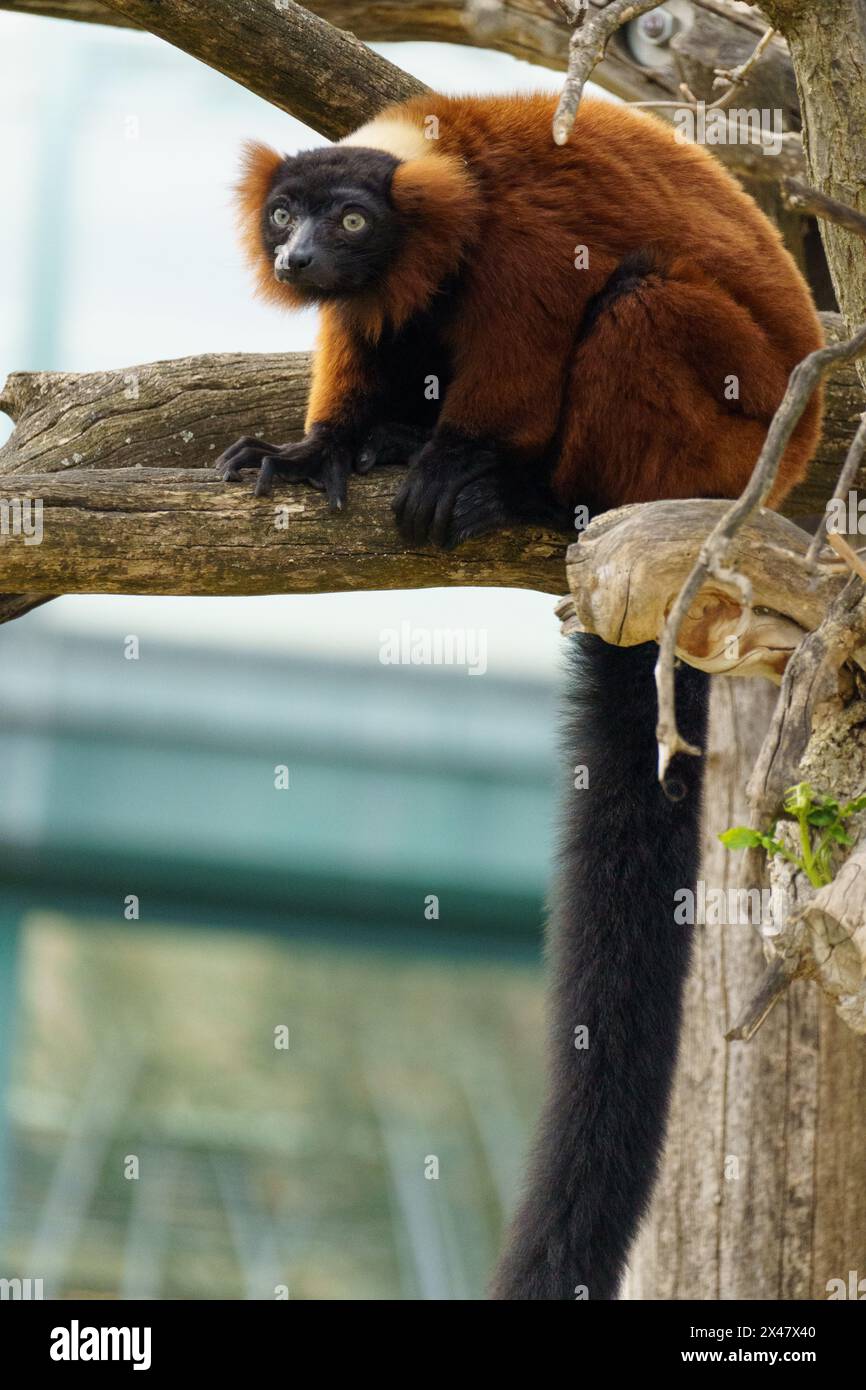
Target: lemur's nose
[(299, 260)]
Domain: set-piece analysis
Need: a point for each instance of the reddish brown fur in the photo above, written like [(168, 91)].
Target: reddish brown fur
[(440, 205), (638, 408), (259, 166)]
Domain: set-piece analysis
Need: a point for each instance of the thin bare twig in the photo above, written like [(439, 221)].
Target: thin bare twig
[(586, 49), (801, 385), (800, 197), (770, 990), (846, 480), (736, 77), (791, 148), (848, 554)]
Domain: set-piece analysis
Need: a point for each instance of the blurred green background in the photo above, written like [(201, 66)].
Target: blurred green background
[(169, 918)]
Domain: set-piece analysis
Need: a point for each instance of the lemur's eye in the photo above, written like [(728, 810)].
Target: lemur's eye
[(354, 221), (281, 217)]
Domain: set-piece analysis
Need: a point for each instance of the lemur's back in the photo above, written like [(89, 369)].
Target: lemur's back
[(631, 184)]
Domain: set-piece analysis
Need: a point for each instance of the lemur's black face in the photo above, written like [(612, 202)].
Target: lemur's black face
[(328, 221)]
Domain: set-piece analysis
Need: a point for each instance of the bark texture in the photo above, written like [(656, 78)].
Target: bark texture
[(630, 565), (762, 1187), (828, 48)]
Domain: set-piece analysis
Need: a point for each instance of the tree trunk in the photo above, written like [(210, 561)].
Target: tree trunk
[(828, 49), (762, 1192)]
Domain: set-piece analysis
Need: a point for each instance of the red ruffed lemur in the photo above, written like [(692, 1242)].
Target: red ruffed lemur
[(531, 328)]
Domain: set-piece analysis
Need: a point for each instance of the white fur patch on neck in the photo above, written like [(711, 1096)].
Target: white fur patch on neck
[(400, 138)]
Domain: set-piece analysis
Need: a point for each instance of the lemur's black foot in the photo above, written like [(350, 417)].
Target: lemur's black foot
[(322, 459), (451, 492), (456, 489)]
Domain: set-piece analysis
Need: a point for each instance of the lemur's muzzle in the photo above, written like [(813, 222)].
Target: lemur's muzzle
[(296, 257)]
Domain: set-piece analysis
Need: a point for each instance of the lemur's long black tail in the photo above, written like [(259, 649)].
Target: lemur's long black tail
[(618, 962)]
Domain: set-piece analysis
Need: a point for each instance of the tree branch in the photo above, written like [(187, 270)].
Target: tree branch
[(161, 426), (92, 451), (799, 197), (589, 40), (183, 531), (284, 53), (527, 29), (88, 11)]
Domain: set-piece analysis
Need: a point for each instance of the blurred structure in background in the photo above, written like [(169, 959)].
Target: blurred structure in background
[(169, 919), (174, 912)]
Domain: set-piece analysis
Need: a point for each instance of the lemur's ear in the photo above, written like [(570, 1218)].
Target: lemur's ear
[(259, 167), (259, 164)]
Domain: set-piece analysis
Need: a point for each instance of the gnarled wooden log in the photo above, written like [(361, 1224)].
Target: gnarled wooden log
[(630, 564)]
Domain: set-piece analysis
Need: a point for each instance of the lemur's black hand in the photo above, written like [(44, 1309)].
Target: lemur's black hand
[(453, 491), (322, 459)]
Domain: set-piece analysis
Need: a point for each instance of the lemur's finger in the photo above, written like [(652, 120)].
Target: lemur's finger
[(287, 469), (244, 453), (265, 481), (367, 459), (419, 501), (334, 475), (474, 501)]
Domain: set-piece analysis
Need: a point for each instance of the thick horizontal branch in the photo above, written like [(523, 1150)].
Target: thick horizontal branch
[(121, 462), (92, 451), (234, 38), (182, 531), (282, 52)]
